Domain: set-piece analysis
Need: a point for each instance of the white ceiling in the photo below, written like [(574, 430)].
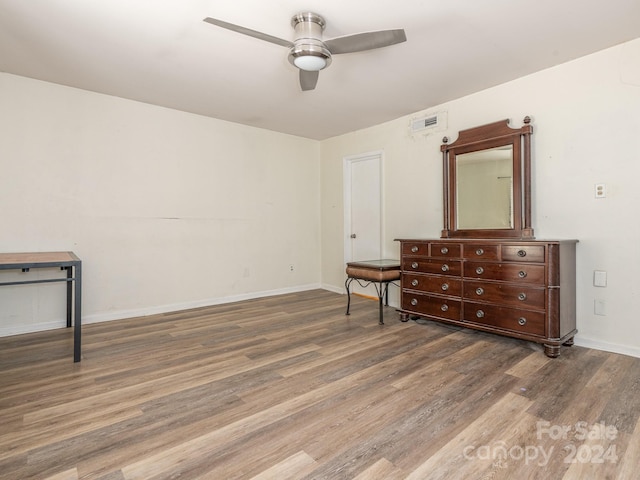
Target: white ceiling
[(161, 52)]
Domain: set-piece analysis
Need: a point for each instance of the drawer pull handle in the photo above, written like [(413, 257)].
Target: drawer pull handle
[(445, 268), (444, 308), (522, 296), (522, 321), (479, 291), (522, 253), (414, 265), (445, 287), (414, 282), (414, 249), (479, 252), (479, 270), (444, 250), (479, 314), (522, 274), (414, 301)]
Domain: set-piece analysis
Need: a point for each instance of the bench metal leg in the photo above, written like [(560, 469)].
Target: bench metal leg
[(347, 284), (382, 289), (380, 295)]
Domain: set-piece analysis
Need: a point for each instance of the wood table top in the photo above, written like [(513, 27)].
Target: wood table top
[(37, 258)]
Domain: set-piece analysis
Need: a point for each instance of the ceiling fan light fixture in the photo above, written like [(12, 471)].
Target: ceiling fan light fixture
[(311, 63), (310, 56)]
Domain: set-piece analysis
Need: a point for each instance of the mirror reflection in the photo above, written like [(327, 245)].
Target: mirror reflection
[(484, 189)]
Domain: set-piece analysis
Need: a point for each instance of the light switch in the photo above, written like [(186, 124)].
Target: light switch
[(599, 278)]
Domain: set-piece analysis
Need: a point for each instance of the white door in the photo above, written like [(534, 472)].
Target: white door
[(363, 210)]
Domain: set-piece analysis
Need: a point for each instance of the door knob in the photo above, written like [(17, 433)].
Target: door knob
[(353, 235)]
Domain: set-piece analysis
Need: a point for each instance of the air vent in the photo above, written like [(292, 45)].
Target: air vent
[(425, 122)]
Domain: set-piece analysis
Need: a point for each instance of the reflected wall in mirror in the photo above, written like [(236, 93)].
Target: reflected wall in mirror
[(487, 182), (484, 188)]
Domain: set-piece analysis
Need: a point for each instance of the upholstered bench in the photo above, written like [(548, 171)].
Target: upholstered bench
[(380, 273)]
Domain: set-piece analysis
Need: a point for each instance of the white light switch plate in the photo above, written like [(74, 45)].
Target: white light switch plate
[(599, 278)]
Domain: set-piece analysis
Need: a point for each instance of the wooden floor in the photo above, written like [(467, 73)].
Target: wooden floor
[(288, 387)]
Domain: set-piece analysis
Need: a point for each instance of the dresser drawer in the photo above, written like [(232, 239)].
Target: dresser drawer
[(433, 249), (429, 265), (524, 296), (513, 319), (423, 304), (479, 251), (447, 250), (523, 253), (415, 248), (509, 272), (441, 284)]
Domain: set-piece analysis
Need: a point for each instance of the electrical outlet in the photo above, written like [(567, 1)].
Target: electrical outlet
[(291, 268), (599, 307), (600, 190)]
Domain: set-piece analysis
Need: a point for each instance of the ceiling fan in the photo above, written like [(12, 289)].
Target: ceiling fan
[(308, 52)]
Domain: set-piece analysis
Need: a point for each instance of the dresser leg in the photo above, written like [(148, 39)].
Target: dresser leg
[(568, 343), (404, 317), (552, 351)]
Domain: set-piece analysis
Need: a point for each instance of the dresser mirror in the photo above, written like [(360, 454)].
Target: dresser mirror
[(487, 182)]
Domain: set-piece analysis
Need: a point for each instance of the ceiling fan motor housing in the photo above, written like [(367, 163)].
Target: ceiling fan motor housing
[(308, 38)]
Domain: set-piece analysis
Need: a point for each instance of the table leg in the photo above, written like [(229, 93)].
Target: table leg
[(69, 294), (77, 328)]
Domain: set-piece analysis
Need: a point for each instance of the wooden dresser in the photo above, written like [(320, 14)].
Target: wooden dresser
[(518, 288)]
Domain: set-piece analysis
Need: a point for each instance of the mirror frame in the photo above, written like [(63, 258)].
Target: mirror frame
[(488, 136)]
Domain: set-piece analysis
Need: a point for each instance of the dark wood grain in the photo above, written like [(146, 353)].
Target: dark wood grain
[(508, 287)]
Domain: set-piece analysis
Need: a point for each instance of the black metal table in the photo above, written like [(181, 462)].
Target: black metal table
[(65, 261), (380, 273)]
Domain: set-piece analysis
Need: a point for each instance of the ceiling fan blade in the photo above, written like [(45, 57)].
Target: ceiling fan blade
[(248, 31), (365, 41), (308, 79)]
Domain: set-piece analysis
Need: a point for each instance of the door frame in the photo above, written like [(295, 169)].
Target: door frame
[(347, 162)]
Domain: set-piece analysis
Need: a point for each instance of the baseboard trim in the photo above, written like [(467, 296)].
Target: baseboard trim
[(143, 312), (32, 328), (334, 289), (607, 347)]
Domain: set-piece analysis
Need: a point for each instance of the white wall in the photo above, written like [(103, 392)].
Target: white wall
[(167, 210), (586, 119)]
